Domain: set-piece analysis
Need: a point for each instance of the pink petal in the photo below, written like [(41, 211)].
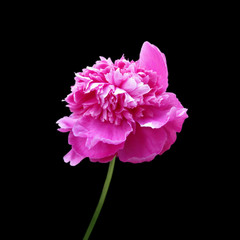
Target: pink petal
[(144, 145), (118, 77), (66, 124), (170, 110), (140, 90), (98, 151), (97, 131), (159, 118), (102, 160), (151, 58), (73, 157), (129, 85), (172, 127), (177, 122), (171, 138)]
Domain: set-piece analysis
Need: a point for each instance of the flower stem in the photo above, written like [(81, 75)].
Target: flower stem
[(101, 200)]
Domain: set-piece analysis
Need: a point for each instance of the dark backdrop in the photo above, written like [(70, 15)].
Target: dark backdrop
[(173, 195), (162, 196)]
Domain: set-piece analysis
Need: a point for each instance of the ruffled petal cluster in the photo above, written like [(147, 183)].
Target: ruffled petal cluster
[(122, 109)]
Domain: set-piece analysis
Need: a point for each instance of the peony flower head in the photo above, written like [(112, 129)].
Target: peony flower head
[(122, 109)]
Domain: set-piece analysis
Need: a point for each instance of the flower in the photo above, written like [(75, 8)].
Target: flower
[(122, 109)]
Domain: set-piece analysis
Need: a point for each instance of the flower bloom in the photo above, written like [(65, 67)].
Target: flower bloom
[(122, 109)]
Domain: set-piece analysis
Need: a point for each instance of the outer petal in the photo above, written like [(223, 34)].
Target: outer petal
[(177, 122), (144, 145), (73, 157), (172, 127), (96, 131), (171, 138), (102, 160), (151, 58), (170, 109), (66, 124), (158, 117), (99, 151)]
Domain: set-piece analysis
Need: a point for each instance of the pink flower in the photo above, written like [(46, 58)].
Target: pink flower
[(122, 109)]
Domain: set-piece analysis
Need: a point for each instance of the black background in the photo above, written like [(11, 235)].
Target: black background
[(177, 193), (166, 196)]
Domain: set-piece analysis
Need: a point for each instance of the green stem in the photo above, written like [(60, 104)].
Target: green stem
[(101, 200)]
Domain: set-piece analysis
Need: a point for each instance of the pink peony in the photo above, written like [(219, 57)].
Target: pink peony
[(122, 109)]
